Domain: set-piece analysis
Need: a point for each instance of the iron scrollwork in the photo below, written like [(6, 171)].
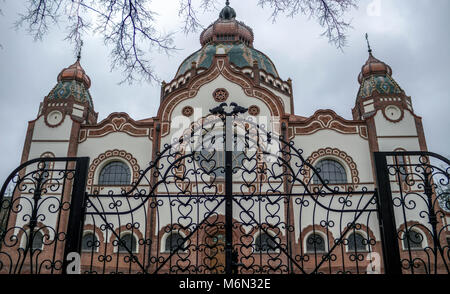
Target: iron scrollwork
[(35, 205), (419, 187), (246, 210)]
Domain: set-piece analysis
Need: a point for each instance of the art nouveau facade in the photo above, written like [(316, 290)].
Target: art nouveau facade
[(226, 69)]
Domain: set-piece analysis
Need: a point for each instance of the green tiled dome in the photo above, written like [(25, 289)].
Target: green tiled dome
[(383, 84), (64, 89), (240, 55)]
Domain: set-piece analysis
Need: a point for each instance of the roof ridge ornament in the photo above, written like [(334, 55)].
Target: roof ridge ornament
[(368, 43), (79, 51)]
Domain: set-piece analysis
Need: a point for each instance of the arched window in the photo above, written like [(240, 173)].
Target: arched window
[(331, 171), (37, 243), (264, 243), (114, 174), (89, 243), (356, 242), (413, 240), (45, 167), (173, 242), (127, 243), (315, 243)]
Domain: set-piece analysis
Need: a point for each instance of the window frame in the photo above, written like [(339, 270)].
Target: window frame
[(316, 181), (24, 241), (423, 244), (106, 164), (96, 248), (363, 236), (166, 238), (136, 249), (321, 235)]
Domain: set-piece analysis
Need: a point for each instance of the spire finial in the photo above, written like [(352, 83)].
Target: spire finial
[(227, 3), (368, 43), (79, 51)]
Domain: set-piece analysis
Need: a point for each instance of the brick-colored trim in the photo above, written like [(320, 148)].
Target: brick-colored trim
[(122, 154), (330, 153)]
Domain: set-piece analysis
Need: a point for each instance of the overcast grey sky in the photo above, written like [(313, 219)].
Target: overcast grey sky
[(410, 35)]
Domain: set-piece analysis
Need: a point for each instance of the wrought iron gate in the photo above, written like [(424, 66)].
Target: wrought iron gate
[(41, 215), (414, 190), (230, 195)]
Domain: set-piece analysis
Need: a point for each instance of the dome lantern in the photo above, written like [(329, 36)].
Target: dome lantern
[(226, 29), (227, 12)]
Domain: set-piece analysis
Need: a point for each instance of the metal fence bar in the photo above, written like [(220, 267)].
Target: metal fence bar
[(77, 208)]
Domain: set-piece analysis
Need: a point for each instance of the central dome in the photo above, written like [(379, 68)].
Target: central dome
[(239, 54), (237, 40)]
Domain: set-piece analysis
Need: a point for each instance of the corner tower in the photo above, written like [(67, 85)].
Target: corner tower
[(387, 110), (55, 131)]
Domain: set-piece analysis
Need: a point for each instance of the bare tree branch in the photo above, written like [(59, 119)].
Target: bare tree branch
[(128, 26), (39, 14), (188, 13), (134, 29), (329, 14), (78, 25)]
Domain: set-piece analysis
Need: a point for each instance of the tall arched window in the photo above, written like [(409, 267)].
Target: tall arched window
[(331, 171), (127, 243), (89, 243), (46, 167), (356, 242), (114, 174), (315, 243), (173, 242), (413, 240), (264, 243)]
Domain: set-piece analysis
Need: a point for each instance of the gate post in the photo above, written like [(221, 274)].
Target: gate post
[(391, 252), (77, 210), (228, 196)]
